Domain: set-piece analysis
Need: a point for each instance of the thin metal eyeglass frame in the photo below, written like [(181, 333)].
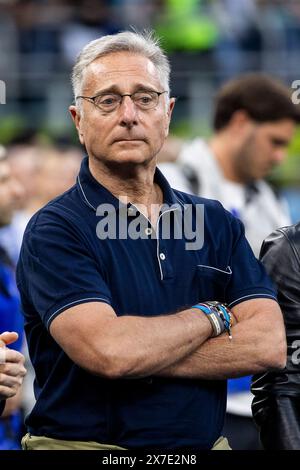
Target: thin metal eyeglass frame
[(92, 98)]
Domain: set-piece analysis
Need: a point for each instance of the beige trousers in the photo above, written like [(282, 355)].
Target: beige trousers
[(30, 442)]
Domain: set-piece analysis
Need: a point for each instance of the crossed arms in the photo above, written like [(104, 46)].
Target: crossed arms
[(176, 345)]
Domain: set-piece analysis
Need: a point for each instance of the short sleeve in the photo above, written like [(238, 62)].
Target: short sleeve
[(249, 279), (57, 269)]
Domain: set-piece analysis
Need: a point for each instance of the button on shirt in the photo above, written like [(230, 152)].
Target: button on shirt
[(67, 260)]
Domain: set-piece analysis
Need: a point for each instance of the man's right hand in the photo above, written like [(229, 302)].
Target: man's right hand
[(12, 368)]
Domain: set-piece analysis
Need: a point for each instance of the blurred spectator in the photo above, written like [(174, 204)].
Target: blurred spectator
[(44, 173), (254, 122), (10, 318), (57, 172), (23, 161)]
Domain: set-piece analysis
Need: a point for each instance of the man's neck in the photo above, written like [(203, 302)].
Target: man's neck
[(131, 183)]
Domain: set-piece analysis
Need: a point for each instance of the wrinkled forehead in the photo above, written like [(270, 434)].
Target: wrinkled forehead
[(119, 70)]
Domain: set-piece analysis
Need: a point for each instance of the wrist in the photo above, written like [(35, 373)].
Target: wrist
[(205, 319), (219, 316)]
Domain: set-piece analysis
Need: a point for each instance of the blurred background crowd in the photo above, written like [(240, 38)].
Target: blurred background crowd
[(207, 41)]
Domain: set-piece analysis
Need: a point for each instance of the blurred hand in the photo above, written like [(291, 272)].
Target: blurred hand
[(8, 337), (12, 368)]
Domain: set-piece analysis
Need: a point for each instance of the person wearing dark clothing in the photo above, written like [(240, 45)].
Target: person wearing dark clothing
[(113, 275), (276, 404)]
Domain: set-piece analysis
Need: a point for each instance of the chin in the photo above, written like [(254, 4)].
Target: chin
[(130, 158)]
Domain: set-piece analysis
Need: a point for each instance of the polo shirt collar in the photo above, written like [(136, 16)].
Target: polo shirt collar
[(94, 194)]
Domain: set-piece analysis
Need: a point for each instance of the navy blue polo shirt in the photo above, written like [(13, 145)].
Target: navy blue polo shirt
[(65, 260)]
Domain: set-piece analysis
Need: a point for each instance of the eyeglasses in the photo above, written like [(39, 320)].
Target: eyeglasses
[(110, 101)]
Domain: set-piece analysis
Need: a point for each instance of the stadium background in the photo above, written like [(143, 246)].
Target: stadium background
[(208, 41)]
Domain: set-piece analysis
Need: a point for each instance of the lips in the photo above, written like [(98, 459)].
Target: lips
[(129, 140)]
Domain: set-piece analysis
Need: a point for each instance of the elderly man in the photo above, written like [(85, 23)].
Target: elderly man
[(114, 293)]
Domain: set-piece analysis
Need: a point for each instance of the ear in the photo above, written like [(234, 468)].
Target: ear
[(76, 116), (240, 120), (169, 114)]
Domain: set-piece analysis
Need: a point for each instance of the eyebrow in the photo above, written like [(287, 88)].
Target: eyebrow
[(115, 89)]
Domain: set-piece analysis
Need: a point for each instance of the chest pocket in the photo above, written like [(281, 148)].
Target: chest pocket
[(212, 282)]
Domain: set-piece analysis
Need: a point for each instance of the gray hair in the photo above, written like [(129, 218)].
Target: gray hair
[(145, 44)]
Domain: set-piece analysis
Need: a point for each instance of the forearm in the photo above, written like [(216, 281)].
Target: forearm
[(128, 346), (249, 352), (218, 358), (142, 346)]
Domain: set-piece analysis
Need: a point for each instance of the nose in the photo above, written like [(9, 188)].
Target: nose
[(128, 113)]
